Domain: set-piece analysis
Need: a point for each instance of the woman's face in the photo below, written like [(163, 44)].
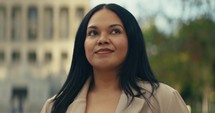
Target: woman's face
[(106, 43)]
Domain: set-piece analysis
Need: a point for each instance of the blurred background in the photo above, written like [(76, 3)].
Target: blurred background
[(36, 46)]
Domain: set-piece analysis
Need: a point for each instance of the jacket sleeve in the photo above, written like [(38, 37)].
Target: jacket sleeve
[(177, 104)]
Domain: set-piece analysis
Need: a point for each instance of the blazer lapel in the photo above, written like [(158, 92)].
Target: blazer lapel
[(79, 104), (135, 106)]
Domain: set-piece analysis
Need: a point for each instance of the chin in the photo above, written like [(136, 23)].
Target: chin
[(105, 66)]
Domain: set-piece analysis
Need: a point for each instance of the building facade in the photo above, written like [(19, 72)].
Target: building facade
[(36, 46)]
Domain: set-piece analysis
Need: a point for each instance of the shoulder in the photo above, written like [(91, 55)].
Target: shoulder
[(166, 94), (162, 90), (48, 105), (165, 90), (172, 99), (167, 98)]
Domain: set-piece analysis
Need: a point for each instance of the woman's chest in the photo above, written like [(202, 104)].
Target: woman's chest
[(102, 103)]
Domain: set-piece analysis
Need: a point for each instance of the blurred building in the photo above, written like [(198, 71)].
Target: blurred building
[(36, 45)]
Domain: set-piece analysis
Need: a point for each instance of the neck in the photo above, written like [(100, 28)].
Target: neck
[(106, 81)]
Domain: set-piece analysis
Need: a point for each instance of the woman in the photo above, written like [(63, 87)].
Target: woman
[(110, 72)]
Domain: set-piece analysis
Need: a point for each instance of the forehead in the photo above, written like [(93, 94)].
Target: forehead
[(104, 17)]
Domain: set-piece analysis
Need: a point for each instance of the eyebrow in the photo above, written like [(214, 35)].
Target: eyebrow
[(112, 25)]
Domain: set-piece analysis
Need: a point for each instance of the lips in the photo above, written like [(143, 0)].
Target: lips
[(103, 51)]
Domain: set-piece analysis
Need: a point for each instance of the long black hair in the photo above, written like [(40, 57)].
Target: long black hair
[(135, 66)]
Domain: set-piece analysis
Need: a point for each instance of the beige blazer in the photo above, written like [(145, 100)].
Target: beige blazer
[(165, 100)]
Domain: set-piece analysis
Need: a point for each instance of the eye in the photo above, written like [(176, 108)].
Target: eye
[(115, 31), (92, 33)]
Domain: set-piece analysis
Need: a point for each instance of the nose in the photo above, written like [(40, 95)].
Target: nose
[(103, 40)]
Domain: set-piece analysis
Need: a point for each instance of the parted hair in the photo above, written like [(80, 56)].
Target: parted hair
[(135, 67)]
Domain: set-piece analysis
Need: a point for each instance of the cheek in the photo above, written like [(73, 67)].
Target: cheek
[(124, 52), (124, 47), (88, 47)]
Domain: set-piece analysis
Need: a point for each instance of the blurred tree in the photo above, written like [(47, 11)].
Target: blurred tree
[(198, 39), (185, 61)]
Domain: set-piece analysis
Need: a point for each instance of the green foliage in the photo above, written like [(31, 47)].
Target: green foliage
[(185, 61)]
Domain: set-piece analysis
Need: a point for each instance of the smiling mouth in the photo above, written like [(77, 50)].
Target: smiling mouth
[(104, 51)]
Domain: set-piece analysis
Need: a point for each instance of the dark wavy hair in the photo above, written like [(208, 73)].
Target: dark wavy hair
[(135, 66)]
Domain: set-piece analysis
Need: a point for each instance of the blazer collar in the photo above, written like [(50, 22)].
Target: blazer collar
[(79, 104), (135, 106)]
